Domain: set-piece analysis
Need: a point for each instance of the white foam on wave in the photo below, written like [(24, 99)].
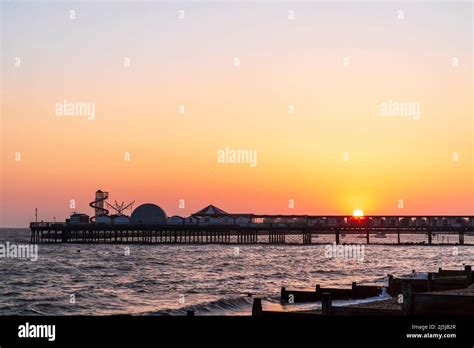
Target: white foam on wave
[(317, 305), (225, 306)]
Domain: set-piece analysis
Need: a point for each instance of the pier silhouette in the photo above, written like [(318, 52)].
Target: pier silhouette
[(262, 229)]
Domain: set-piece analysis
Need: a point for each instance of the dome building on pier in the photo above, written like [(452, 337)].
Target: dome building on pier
[(148, 214)]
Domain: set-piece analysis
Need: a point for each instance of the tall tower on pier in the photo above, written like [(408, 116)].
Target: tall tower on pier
[(99, 203)]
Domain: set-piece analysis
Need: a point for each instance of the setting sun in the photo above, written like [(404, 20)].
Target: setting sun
[(357, 213)]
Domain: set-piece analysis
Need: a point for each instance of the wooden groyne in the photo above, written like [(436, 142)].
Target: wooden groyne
[(355, 292), (441, 281), (414, 296), (302, 230), (327, 308)]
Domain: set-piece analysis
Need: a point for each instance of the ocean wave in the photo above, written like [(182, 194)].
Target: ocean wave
[(224, 306), (317, 305)]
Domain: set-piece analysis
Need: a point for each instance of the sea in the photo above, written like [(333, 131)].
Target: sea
[(211, 279)]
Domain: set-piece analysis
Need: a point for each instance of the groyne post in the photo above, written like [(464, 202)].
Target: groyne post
[(257, 307), (468, 270), (354, 289), (283, 294), (326, 303), (390, 284)]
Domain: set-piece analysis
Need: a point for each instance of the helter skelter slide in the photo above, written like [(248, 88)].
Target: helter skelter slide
[(98, 204)]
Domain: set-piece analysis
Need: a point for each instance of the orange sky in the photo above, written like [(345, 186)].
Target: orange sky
[(299, 156)]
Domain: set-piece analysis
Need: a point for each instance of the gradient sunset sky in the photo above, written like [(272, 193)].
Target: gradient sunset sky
[(283, 62)]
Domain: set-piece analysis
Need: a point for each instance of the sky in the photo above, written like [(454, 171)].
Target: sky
[(305, 87)]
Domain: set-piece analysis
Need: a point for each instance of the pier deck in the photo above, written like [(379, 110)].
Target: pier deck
[(255, 233)]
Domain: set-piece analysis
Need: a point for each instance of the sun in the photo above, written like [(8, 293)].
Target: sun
[(357, 213)]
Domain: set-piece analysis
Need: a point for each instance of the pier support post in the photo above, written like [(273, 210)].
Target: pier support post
[(461, 237), (306, 238), (337, 236), (326, 304), (430, 281), (257, 307), (368, 237), (429, 236)]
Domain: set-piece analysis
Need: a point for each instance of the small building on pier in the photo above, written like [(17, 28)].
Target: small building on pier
[(78, 218), (457, 222), (335, 221), (438, 222), (212, 215), (175, 220), (242, 219), (420, 221), (115, 219)]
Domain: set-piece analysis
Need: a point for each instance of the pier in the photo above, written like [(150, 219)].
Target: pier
[(263, 229)]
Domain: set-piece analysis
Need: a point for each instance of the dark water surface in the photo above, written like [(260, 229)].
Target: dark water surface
[(211, 279)]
